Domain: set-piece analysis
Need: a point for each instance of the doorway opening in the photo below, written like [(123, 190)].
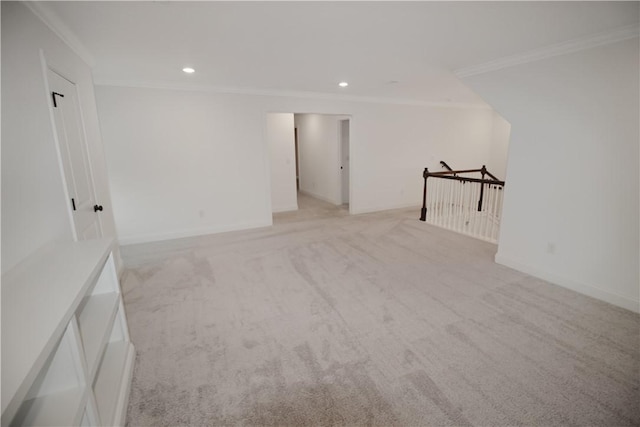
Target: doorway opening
[(310, 164)]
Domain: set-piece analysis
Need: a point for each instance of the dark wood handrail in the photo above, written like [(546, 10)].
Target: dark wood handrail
[(452, 172), (445, 165), (465, 179), (492, 175)]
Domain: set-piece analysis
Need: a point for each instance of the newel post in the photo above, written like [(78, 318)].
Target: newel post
[(483, 171), (423, 213)]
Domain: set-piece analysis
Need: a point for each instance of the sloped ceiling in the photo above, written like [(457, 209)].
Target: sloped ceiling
[(399, 50)]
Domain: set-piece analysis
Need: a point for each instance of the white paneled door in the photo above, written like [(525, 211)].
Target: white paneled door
[(74, 157)]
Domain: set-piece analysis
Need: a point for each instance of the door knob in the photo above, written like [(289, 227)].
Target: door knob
[(97, 208)]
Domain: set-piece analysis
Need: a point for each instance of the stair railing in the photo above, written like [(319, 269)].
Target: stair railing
[(464, 204)]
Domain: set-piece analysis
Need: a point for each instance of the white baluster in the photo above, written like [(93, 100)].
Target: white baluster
[(436, 190), (452, 187), (459, 207), (468, 189), (476, 214), (489, 214), (429, 199), (499, 194), (438, 200), (443, 183), (495, 214), (483, 226)]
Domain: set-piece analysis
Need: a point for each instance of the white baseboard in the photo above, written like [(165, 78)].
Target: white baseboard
[(156, 237), (285, 208), (582, 288)]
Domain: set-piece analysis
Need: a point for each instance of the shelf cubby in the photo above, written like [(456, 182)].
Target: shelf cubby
[(95, 321), (58, 392), (110, 379)]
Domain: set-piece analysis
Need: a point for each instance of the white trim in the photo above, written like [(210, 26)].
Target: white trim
[(203, 231), (51, 19), (583, 288), (119, 417), (575, 45), (166, 85)]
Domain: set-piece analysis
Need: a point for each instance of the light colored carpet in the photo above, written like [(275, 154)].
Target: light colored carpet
[(377, 319)]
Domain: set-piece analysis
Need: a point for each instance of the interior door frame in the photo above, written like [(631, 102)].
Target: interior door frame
[(47, 65), (341, 164), (338, 158)]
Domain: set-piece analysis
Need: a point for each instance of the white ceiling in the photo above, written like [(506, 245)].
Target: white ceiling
[(311, 46)]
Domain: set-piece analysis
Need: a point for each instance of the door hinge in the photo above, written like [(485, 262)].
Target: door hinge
[(53, 95), (73, 203)]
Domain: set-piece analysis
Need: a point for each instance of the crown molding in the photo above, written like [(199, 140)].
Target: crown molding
[(575, 45), (164, 85), (51, 19)]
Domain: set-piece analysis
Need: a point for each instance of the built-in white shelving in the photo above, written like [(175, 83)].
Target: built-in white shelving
[(109, 381), (66, 354), (95, 321), (52, 410)]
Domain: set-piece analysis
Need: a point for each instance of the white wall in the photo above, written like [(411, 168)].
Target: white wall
[(34, 207), (571, 198), (186, 162), (497, 163), (319, 156), (390, 147), (282, 156)]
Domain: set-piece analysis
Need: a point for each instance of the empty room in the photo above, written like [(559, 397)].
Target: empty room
[(320, 213)]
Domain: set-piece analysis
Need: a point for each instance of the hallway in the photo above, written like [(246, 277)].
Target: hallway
[(310, 208)]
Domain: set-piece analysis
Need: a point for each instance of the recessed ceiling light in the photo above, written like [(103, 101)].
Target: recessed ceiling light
[(188, 70), (343, 84)]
